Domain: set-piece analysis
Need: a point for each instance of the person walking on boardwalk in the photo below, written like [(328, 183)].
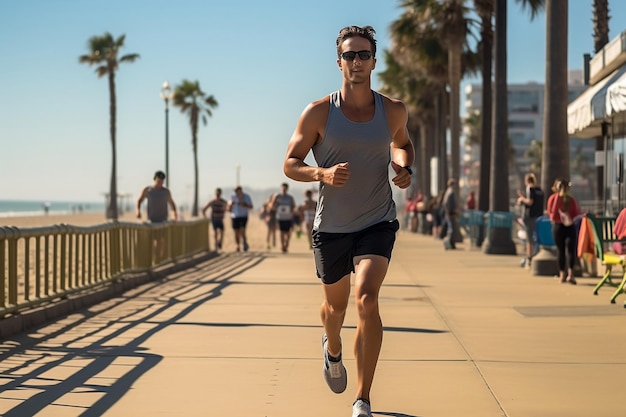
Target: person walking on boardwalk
[(284, 204), (307, 213), (532, 200), (158, 198), (563, 209), (268, 215), (451, 211), (355, 133), (218, 209), (239, 206)]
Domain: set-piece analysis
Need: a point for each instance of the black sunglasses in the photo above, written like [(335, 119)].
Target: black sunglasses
[(350, 55)]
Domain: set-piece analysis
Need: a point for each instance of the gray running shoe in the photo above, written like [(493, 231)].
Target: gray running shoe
[(361, 409), (334, 372)]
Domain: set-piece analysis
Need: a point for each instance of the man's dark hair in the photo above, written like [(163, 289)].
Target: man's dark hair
[(159, 174), (366, 32)]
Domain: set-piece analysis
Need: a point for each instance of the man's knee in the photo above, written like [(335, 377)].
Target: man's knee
[(367, 304), (336, 309)]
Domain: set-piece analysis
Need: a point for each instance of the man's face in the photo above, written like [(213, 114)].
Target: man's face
[(158, 182), (358, 70)]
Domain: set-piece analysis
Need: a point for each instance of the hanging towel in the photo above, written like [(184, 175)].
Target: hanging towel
[(586, 240)]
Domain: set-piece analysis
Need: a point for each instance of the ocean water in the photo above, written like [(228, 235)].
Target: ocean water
[(13, 208)]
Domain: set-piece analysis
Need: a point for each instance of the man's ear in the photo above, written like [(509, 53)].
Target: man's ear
[(339, 64)]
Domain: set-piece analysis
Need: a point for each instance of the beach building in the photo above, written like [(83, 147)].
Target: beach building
[(526, 111), (600, 112)]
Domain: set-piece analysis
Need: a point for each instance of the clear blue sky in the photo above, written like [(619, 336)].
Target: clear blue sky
[(264, 61)]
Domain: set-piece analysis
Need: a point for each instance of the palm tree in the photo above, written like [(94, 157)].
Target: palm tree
[(455, 27), (499, 240), (448, 21), (484, 9), (555, 138), (600, 24), (418, 93), (433, 34), (103, 52), (600, 39), (192, 100), (418, 48)]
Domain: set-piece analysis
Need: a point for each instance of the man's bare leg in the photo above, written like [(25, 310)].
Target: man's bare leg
[(333, 312), (238, 238), (370, 271)]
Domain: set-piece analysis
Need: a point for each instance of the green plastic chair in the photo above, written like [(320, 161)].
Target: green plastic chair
[(602, 227)]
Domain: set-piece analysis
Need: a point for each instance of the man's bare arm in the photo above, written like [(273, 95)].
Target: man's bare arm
[(142, 197), (402, 151), (308, 131)]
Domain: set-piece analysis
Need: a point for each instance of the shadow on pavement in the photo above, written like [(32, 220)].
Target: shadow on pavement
[(47, 366)]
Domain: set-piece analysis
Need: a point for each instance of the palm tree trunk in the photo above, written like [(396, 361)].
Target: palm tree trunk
[(194, 212), (600, 39), (112, 212), (436, 142), (499, 239), (194, 120), (555, 139), (442, 146), (455, 123), (425, 155), (486, 113), (454, 60)]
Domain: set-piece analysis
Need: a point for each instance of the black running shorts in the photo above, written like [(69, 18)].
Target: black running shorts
[(285, 225), (239, 222), (335, 252)]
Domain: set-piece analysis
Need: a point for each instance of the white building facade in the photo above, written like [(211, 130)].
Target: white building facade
[(526, 111)]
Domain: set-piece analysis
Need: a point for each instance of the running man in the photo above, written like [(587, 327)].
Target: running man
[(285, 205), (354, 133), (307, 214), (218, 209), (239, 206)]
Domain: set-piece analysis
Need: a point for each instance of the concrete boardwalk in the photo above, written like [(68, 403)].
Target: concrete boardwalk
[(466, 334)]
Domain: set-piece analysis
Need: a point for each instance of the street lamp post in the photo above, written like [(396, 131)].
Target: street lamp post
[(166, 95), (237, 171)]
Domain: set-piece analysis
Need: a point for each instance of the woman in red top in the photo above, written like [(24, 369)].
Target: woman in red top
[(562, 209), (470, 203)]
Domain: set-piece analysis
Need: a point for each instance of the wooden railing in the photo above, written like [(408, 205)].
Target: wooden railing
[(39, 265)]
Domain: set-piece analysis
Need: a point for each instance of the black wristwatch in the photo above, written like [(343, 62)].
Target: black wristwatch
[(409, 169)]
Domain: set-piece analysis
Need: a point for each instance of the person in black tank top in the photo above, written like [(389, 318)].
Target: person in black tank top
[(351, 133)]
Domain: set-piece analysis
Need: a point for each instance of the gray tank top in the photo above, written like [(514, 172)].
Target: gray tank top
[(157, 204), (366, 198)]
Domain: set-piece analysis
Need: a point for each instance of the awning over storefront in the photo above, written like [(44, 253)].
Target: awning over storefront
[(596, 105), (616, 96)]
